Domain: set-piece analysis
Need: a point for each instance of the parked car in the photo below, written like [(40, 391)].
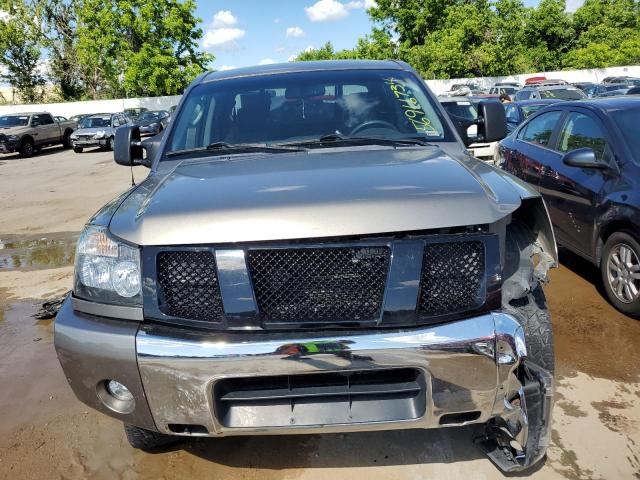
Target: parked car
[(616, 92), (134, 112), (602, 89), (466, 109), (633, 91), (77, 118), (315, 252), (509, 90), (97, 131), (462, 89), (562, 92), (27, 132), (584, 158), (582, 85), (153, 122), (518, 112), (624, 79)]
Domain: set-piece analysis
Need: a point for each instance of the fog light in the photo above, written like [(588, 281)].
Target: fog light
[(119, 391)]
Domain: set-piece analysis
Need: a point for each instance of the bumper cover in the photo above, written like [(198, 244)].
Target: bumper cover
[(475, 365)]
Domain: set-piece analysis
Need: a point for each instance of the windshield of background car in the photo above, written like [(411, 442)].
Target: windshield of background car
[(289, 107), (562, 93), (14, 121), (627, 121), (462, 109), (527, 110), (95, 122), (149, 116)]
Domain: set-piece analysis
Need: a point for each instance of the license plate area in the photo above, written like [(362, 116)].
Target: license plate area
[(364, 396)]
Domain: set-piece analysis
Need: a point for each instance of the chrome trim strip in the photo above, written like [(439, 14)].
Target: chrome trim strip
[(235, 285), (104, 310)]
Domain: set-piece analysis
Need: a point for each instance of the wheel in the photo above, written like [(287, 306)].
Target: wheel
[(77, 149), (26, 149), (147, 440), (108, 143), (66, 140), (620, 269), (533, 315)]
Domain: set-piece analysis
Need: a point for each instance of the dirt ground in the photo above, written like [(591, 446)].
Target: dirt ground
[(46, 433)]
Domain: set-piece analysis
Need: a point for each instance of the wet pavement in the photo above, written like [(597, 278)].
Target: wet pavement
[(37, 251), (596, 432)]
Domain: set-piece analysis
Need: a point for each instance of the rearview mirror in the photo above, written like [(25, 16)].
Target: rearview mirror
[(128, 148), (584, 158), (492, 121)]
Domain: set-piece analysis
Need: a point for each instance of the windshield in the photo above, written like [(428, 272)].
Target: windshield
[(149, 116), (281, 108), (14, 121), (95, 122), (530, 109), (627, 121), (462, 109), (562, 93)]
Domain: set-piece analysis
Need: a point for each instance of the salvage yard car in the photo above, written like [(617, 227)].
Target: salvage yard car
[(27, 132), (518, 112), (97, 131), (584, 158), (315, 251), (153, 122)]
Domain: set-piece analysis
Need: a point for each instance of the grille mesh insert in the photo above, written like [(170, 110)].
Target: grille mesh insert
[(319, 284), (189, 286), (451, 279)]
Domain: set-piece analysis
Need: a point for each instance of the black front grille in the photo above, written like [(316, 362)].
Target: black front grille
[(319, 284), (452, 277), (188, 285)]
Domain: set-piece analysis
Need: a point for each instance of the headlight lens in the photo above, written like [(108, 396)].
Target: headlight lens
[(107, 271), (100, 134), (13, 138)]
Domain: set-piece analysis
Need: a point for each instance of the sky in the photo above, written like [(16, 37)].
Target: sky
[(249, 32)]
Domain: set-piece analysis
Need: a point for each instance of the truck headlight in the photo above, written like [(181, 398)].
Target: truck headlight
[(100, 134), (107, 271)]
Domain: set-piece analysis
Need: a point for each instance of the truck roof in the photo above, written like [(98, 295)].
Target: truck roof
[(290, 67)]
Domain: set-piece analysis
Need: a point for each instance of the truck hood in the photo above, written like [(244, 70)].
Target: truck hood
[(312, 194), (13, 130)]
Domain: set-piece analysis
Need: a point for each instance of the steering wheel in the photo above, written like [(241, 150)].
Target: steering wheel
[(373, 123)]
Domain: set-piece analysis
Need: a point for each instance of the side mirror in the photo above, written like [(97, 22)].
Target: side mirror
[(492, 121), (128, 148), (584, 158), (463, 126)]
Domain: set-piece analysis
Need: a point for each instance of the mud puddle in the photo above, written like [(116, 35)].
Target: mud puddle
[(37, 252)]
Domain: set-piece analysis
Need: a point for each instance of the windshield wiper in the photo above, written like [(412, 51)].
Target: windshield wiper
[(339, 138), (236, 148)]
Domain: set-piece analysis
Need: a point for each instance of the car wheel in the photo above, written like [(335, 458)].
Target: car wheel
[(533, 315), (66, 140), (109, 143), (26, 149), (147, 440), (77, 149), (620, 269)]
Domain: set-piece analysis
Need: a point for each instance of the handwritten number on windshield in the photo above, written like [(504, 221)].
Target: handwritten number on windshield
[(411, 107)]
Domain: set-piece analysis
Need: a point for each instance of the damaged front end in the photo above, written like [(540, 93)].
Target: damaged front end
[(519, 433)]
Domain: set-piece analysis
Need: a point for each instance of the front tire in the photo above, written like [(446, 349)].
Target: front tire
[(620, 270), (109, 144), (147, 440), (533, 315), (77, 149), (66, 140), (27, 148)]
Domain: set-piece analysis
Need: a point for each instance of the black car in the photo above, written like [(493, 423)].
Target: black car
[(584, 158), (153, 122), (518, 112), (603, 89)]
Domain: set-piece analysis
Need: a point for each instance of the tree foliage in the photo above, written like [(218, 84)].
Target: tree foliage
[(462, 38), (102, 48)]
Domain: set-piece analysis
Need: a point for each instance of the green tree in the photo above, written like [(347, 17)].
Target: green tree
[(138, 47), (548, 34), (20, 54)]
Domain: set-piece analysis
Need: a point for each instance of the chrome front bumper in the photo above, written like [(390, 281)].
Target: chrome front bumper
[(475, 365)]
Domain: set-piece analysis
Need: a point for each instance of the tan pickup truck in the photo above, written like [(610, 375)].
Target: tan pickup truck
[(27, 132)]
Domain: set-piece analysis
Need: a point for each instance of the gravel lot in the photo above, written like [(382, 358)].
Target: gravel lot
[(46, 433)]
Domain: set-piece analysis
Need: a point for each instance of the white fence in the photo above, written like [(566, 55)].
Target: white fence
[(589, 75), (69, 109)]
